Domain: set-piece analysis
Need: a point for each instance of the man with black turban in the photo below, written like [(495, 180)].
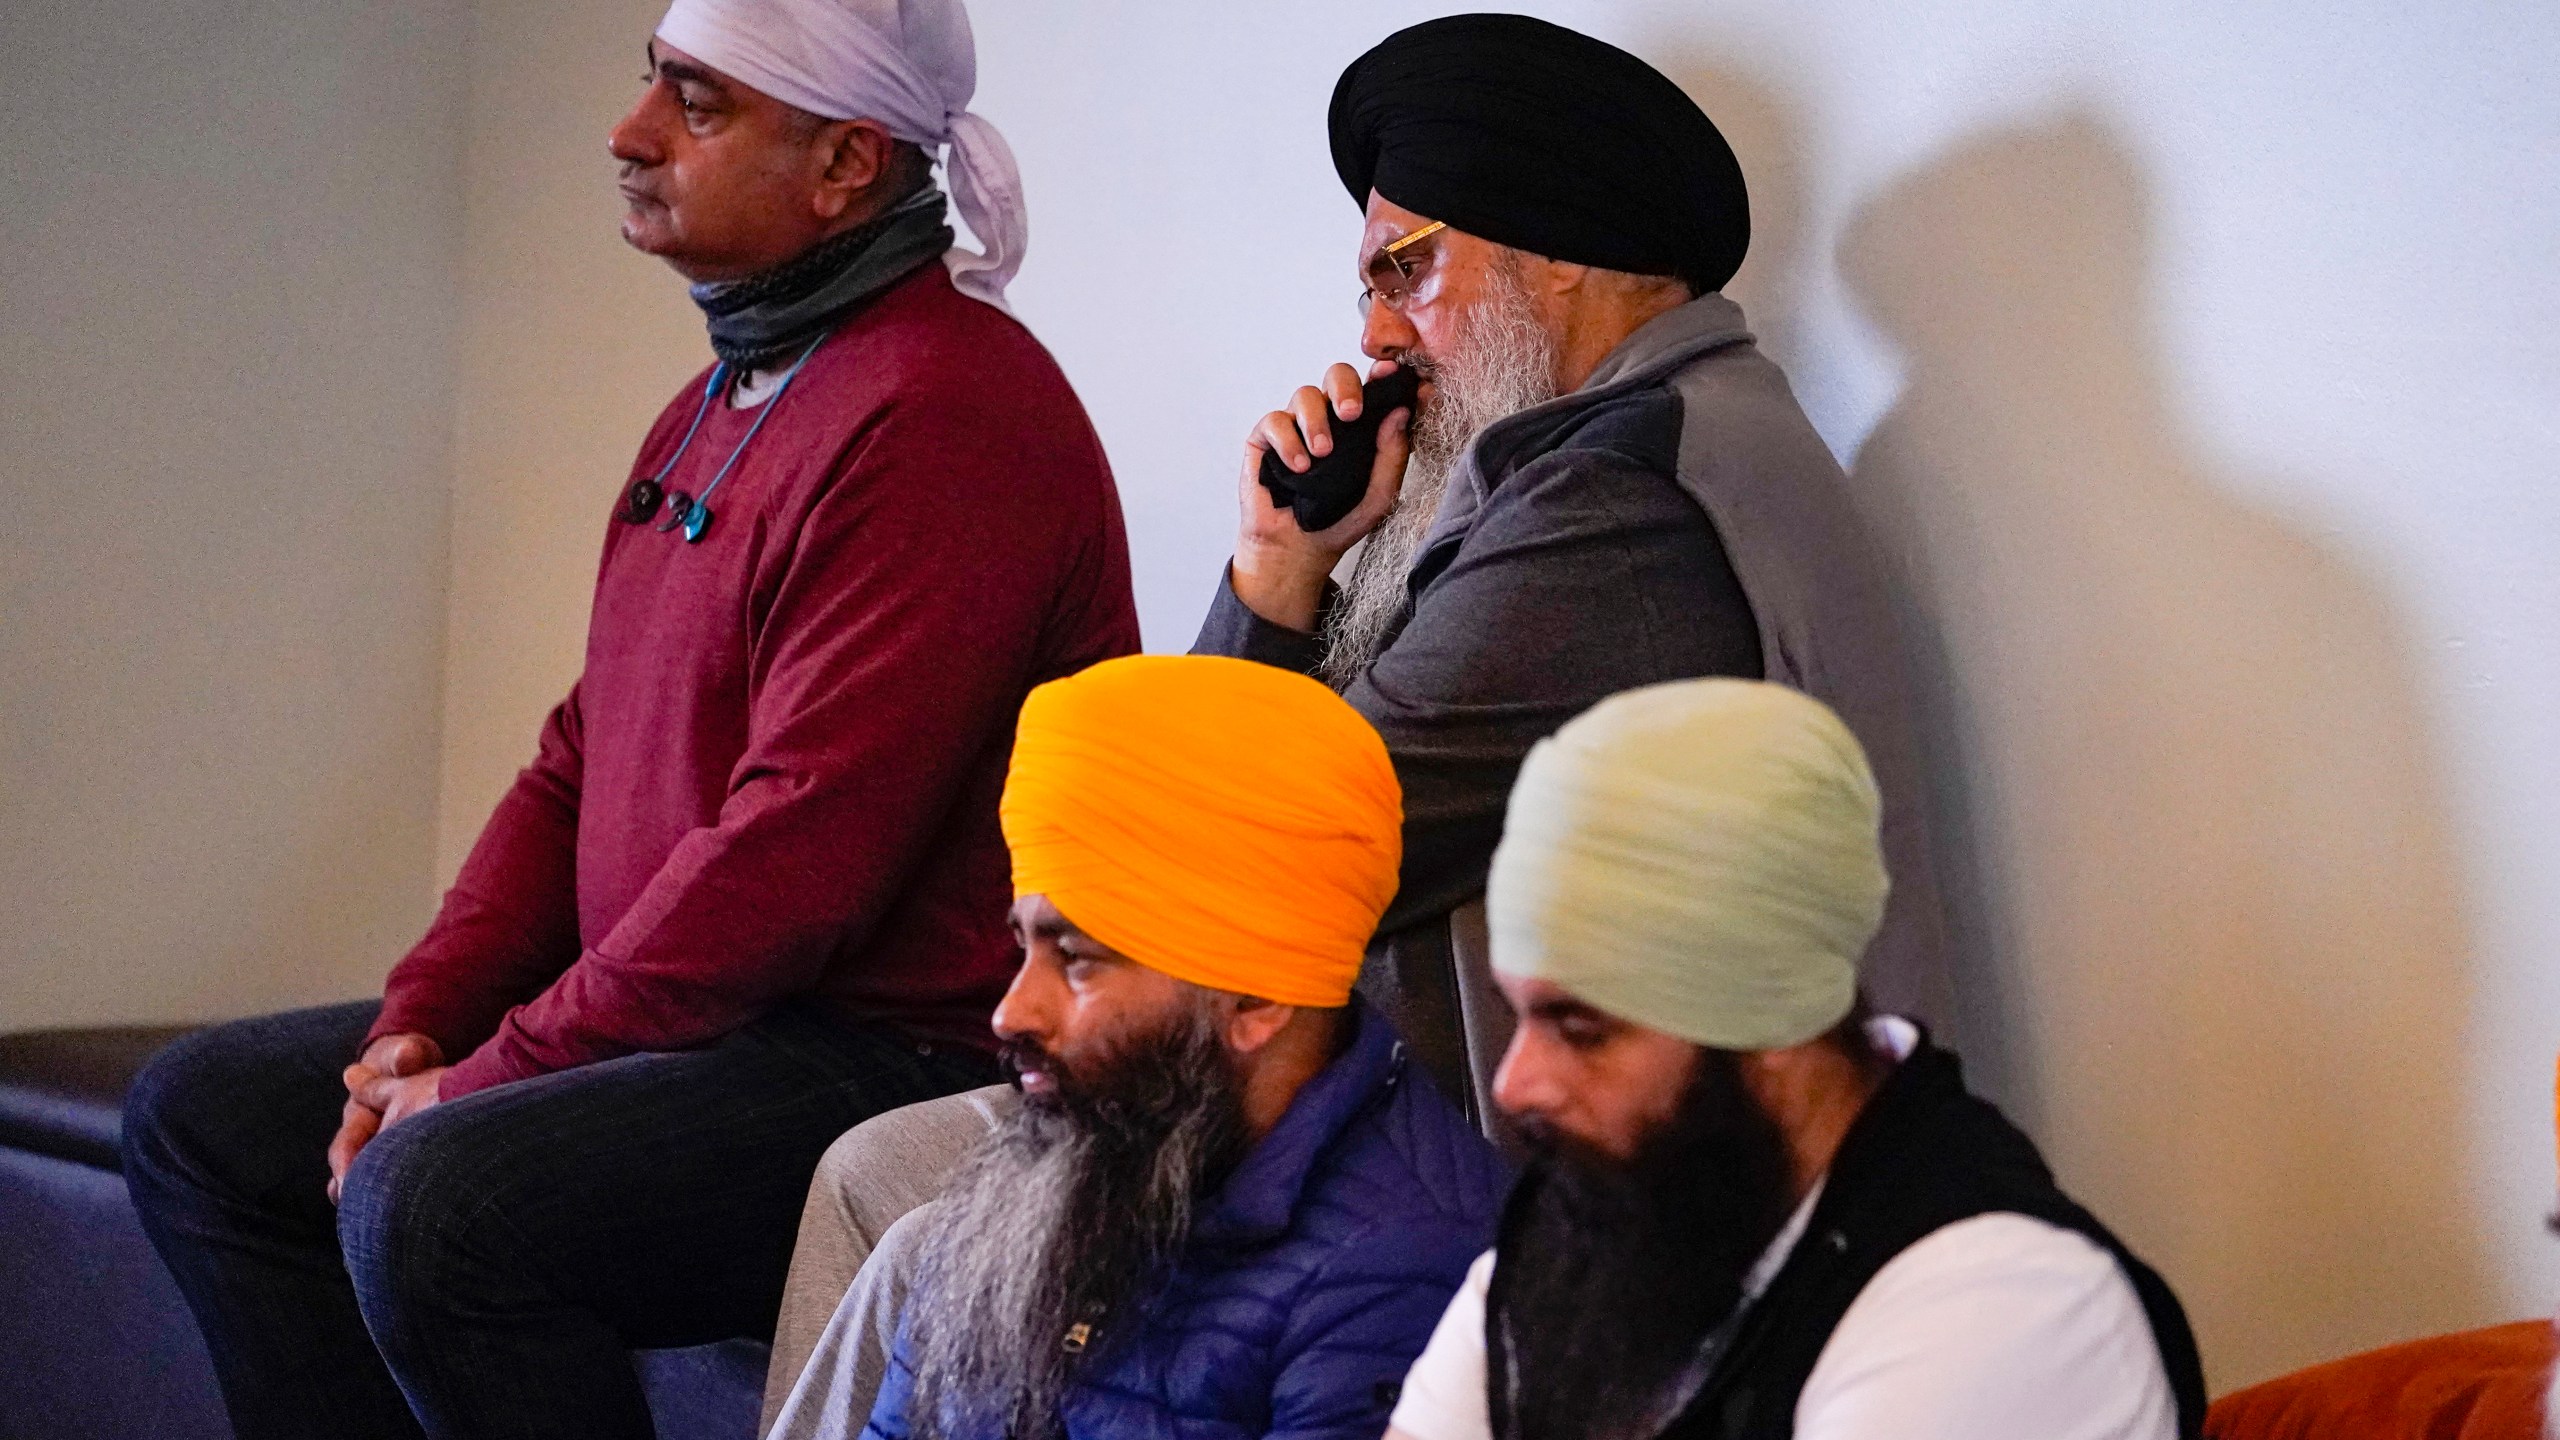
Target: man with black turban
[(1603, 485)]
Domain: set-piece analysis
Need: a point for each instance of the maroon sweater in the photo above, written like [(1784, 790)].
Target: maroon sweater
[(778, 774)]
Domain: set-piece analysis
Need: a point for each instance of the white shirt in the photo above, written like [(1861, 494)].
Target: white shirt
[(1995, 1327)]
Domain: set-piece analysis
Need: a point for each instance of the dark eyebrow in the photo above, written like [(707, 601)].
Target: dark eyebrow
[(1054, 927), (683, 72), (1560, 1008)]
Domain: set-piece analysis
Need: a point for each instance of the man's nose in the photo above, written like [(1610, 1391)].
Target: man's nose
[(1385, 334), (1027, 1011), (633, 140), (1525, 1083)]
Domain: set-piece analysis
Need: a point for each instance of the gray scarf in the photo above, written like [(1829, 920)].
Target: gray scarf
[(758, 320)]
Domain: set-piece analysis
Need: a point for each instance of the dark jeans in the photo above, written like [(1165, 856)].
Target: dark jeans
[(496, 1256)]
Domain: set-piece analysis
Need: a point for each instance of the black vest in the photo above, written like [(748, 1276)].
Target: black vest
[(1922, 1155)]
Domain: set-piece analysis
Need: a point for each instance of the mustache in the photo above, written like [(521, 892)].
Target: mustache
[(1024, 1056)]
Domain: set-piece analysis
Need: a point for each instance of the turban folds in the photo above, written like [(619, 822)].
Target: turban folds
[(1537, 137), (909, 64), (1225, 822), (1701, 857)]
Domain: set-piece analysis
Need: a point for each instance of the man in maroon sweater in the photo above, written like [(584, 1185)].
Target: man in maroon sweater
[(751, 890)]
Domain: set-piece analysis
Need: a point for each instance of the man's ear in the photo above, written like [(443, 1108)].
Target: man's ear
[(858, 154), (1254, 1021), (1561, 277)]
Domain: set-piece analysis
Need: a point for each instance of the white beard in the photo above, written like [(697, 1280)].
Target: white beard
[(1504, 362)]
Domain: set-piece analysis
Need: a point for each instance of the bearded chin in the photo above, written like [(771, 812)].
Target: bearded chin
[(1067, 1215), (1504, 361), (1616, 1273)]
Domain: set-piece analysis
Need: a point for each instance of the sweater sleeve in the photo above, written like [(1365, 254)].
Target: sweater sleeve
[(509, 925), (1232, 629), (900, 632)]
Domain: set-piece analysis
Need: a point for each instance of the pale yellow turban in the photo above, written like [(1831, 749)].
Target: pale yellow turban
[(1699, 857), (1227, 823)]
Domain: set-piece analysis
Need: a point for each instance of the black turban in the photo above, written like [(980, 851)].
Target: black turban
[(1533, 136)]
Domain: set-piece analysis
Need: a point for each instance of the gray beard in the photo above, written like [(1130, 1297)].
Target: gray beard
[(1069, 1214), (1504, 362)]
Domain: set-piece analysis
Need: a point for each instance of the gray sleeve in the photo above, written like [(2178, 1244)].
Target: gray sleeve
[(873, 1174), (1587, 573), (835, 1394), (1232, 629)]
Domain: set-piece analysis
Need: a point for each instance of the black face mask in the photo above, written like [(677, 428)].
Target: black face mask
[(1612, 1273), (759, 320)]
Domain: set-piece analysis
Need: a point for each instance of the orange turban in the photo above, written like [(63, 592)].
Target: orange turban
[(1225, 822)]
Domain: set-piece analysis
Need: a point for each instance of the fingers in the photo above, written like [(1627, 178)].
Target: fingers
[(1303, 429), (1342, 387), (1259, 508), (356, 1126), (1395, 446), (1311, 410), (409, 1096), (410, 1054), (406, 1053), (371, 1088), (1277, 432)]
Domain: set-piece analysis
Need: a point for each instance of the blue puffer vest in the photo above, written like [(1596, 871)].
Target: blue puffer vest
[(1311, 1280)]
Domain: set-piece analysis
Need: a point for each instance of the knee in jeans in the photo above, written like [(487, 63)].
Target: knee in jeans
[(845, 1161), (181, 1087), (418, 1199)]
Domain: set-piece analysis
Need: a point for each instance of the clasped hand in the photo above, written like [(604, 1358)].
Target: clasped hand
[(396, 1078), (1279, 569)]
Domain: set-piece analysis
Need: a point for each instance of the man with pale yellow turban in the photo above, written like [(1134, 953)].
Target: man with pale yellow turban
[(1223, 1203), (1755, 1208)]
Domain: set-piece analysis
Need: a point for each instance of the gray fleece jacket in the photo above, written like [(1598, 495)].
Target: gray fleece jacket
[(1676, 516)]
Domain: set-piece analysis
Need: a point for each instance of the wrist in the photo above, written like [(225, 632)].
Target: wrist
[(1282, 589)]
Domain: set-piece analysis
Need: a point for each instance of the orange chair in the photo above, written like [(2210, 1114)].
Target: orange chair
[(2476, 1385)]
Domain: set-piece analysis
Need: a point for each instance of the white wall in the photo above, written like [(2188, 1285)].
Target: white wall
[(229, 244), (570, 343), (2201, 360)]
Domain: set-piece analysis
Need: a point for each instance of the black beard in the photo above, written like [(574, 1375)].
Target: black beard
[(1613, 1273), (1068, 1215)]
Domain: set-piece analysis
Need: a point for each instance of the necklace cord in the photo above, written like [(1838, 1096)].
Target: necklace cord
[(711, 387), (778, 392)]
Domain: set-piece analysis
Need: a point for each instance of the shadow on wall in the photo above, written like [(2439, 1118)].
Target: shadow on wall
[(2232, 962), (1760, 126)]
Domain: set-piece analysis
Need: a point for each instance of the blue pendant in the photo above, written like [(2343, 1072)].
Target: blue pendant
[(696, 520)]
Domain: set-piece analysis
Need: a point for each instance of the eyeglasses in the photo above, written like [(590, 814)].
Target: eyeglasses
[(1395, 270)]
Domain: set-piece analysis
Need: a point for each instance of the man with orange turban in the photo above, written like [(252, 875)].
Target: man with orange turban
[(1224, 1203)]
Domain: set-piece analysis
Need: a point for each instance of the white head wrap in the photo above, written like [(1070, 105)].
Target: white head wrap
[(909, 64), (1701, 858)]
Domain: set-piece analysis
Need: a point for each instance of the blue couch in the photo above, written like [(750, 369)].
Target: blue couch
[(95, 1343)]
